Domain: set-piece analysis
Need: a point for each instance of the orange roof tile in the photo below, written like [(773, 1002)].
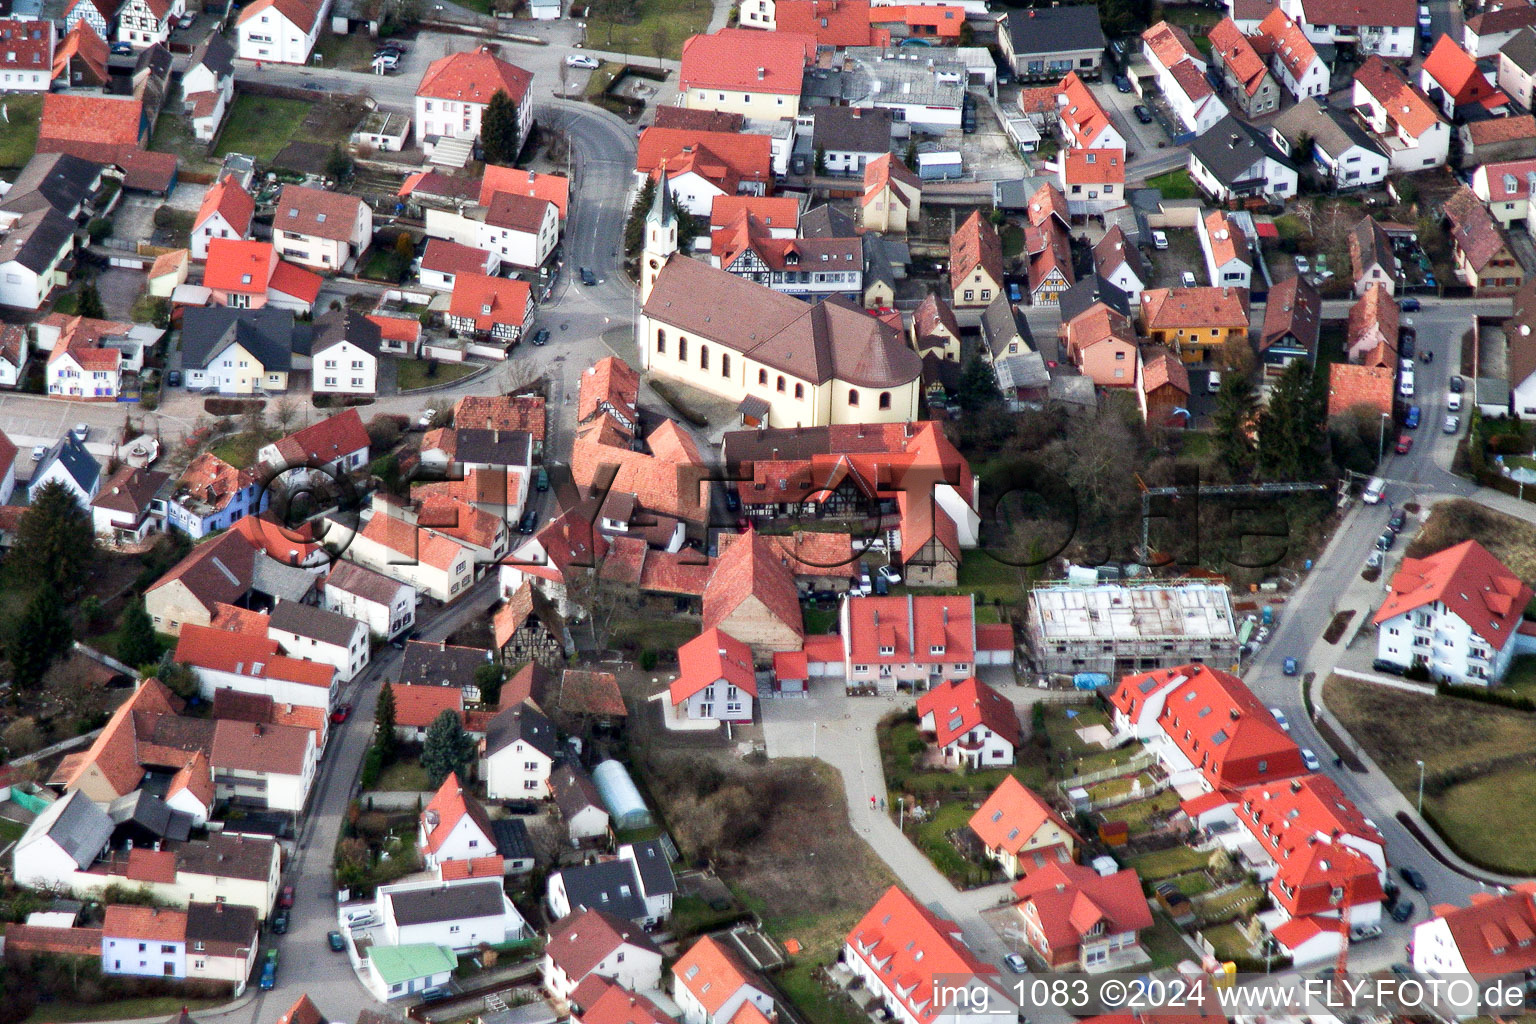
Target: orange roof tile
[(708, 658), (473, 77), (958, 706), (1011, 816), (742, 59), (1469, 582), (556, 188), (1409, 108), (750, 569), (235, 265), (901, 940)]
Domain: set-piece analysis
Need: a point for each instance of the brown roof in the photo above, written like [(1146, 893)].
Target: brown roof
[(1170, 44), (1374, 313), (934, 319), (1114, 250), (130, 489), (831, 339), (1520, 335), (501, 412), (1502, 129), (447, 257), (216, 570), (31, 938), (532, 682), (975, 244), (517, 212), (1295, 308), (1369, 246), (1350, 385), (323, 442), (1404, 103), (807, 552), (608, 382), (749, 569), (579, 942), (363, 582), (1473, 228), (698, 120), (257, 747), (1172, 308), (317, 212), (591, 693), (229, 856), (1161, 368)]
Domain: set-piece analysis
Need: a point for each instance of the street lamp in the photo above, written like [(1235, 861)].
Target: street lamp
[(1421, 787), (1381, 438)]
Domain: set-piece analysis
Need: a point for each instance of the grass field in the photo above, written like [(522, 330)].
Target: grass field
[(1510, 540), (657, 30), (1175, 184), (10, 831), (119, 1009), (403, 777), (1479, 785), (18, 132), (411, 374), (239, 450), (1164, 943), (1167, 863), (261, 126)]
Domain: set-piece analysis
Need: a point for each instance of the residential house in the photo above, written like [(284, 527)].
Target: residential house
[(337, 444), (1162, 388), (1235, 160), (27, 57), (92, 127), (613, 885), (459, 915), (892, 196), (1009, 346), (1361, 387), (238, 351), (1402, 117), (254, 764), (345, 353), (1511, 137), (1021, 831), (145, 23), (236, 567), (67, 837), (281, 31), (1344, 155), (1520, 353), (518, 754), (169, 272), (1516, 77), (1228, 257), (35, 257), (1195, 322), (711, 985), (554, 188), (1075, 918), (653, 859), (1371, 257), (527, 626), (255, 664), (1048, 246), (226, 213), (1455, 612), (1102, 343), (496, 308), (80, 60), (8, 452), (455, 90), (394, 543), (975, 263), (1093, 180), (746, 249), (1488, 937), (935, 329), (1451, 78), (205, 942), (596, 943), (211, 495), (521, 230), (126, 509), (736, 70), (1372, 332), (1385, 29), (100, 15), (314, 634), (249, 275), (1206, 727), (1082, 120), (1292, 322), (387, 607), (395, 972), (14, 352), (701, 167), (1292, 57), (455, 827), (972, 724), (715, 679), (1181, 74), (580, 805), (69, 465), (208, 87), (1505, 188), (1483, 253), (86, 360), (417, 707), (321, 229), (1244, 74), (442, 261), (1487, 32), (846, 139), (914, 642), (1122, 264), (1046, 43), (900, 950)]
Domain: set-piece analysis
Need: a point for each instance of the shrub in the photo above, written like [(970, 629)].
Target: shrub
[(1417, 673), (98, 229), (373, 764), (1484, 696), (647, 659)]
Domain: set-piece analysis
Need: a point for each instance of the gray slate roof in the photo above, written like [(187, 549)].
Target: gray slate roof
[(276, 580), (268, 334), (826, 222), (1331, 130), (79, 827), (344, 325), (1000, 323), (447, 903), (77, 462), (1232, 147), (851, 130), (433, 664), (1521, 50), (1081, 296), (655, 867), (52, 179), (314, 623), (524, 723), (511, 837), (150, 813), (37, 239), (574, 791), (609, 885), (216, 55), (1046, 30), (493, 447)]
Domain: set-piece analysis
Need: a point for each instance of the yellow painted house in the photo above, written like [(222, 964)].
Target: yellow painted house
[(1194, 322), (237, 351)]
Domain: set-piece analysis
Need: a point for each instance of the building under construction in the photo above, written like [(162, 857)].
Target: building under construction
[(1118, 628)]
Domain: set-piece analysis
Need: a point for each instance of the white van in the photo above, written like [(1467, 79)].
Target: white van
[(1453, 402), (1213, 382), (1406, 387), (1374, 490)]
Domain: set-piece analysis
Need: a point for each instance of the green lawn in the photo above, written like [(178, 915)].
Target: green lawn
[(1175, 184), (981, 573), (601, 78), (931, 839), (1013, 240), (411, 374), (118, 1009), (345, 53), (1164, 943), (1167, 863), (1502, 840), (1137, 814), (260, 126), (658, 30), (818, 621), (1521, 678), (1229, 943), (403, 777), (10, 831), (174, 135), (239, 450), (800, 986), (18, 132)]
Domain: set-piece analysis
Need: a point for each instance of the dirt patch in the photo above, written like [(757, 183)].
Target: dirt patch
[(1336, 628), (1510, 540)]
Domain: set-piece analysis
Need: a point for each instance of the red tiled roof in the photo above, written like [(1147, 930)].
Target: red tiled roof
[(1350, 13), (502, 412), (1455, 71), (1070, 902), (1093, 167), (489, 300), (302, 13), (1501, 129), (912, 950), (708, 658), (492, 866), (1205, 306), (235, 265), (776, 212), (712, 973), (725, 159), (659, 479), (1011, 817), (237, 653), (317, 212), (610, 382), (975, 244), (607, 1003), (944, 20), (1469, 582), (82, 41), (291, 279), (749, 570), (579, 942), (473, 77), (230, 200), (1171, 45), (960, 706), (744, 60), (99, 128), (1404, 104), (1496, 933), (447, 257), (417, 706), (1082, 118), (1293, 821), (149, 924), (21, 939), (910, 626), (401, 329), (555, 188), (879, 174), (1232, 48), (830, 22), (1160, 368), (449, 805)]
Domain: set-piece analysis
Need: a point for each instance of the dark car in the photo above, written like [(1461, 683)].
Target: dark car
[(541, 480), (285, 898), (433, 994), (1411, 305), (824, 596), (521, 806), (541, 336), (1402, 910), (1413, 878), (732, 500), (529, 522), (1386, 540), (122, 49), (1398, 521), (280, 922), (342, 713), (1411, 421), (1405, 345), (268, 976), (173, 378), (338, 943), (1122, 83), (1457, 385), (1142, 114), (882, 588), (587, 277), (1390, 667)]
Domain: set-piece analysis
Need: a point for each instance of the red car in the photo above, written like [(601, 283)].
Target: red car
[(342, 713), (1404, 444), (285, 897)]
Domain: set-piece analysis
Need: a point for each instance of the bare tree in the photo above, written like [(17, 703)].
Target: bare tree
[(284, 414)]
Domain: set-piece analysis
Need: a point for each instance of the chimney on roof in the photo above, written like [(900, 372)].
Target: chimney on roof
[(762, 73)]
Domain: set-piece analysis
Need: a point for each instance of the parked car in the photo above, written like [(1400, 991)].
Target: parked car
[(1410, 305), (38, 451), (1303, 265), (1457, 385), (578, 60), (268, 976), (1014, 294), (122, 49), (341, 714), (186, 21), (280, 922), (1389, 667), (1398, 520), (1405, 347), (1280, 717), (530, 521), (889, 574), (1290, 667), (1374, 560), (1016, 963), (541, 337), (285, 897), (80, 431), (387, 61), (1453, 402), (1159, 240), (338, 944), (1142, 114), (1413, 878), (1122, 83), (1406, 387), (541, 480), (1386, 540), (426, 419), (1404, 444), (1452, 423), (1402, 910), (1411, 421), (1187, 279), (173, 379), (588, 279), (1309, 759), (882, 588)]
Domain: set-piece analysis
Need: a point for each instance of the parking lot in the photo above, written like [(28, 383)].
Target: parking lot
[(1183, 255)]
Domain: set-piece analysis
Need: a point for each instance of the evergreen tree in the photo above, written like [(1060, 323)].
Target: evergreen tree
[(39, 636), (90, 302), (448, 749), (978, 390), (1292, 429), (384, 721), (489, 678), (54, 542), (499, 130), (687, 229), (820, 162), (138, 645), (634, 227), (1236, 402)]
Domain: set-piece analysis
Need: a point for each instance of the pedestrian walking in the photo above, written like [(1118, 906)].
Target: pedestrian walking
[(882, 803), (871, 802)]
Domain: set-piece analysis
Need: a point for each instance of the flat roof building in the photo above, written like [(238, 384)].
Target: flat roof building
[(1119, 628)]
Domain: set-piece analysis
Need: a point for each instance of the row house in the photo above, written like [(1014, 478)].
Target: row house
[(1344, 155), (206, 942), (254, 664), (1383, 29), (394, 543), (1487, 32), (1292, 57), (913, 643), (1401, 116), (1245, 74), (387, 607), (807, 268), (1484, 257)]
